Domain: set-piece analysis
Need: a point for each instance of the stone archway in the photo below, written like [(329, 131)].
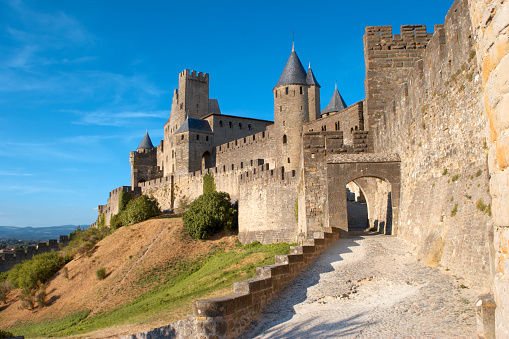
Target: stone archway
[(206, 160), (344, 168)]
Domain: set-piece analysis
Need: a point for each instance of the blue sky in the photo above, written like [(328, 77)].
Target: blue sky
[(81, 81)]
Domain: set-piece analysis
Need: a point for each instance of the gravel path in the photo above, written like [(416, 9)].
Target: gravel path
[(369, 286)]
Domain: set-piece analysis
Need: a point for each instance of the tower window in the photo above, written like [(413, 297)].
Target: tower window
[(181, 105), (286, 90), (197, 137), (232, 166), (249, 127), (182, 137), (337, 126), (288, 160), (276, 94), (240, 125), (281, 108), (324, 128), (220, 123), (241, 164), (230, 124), (300, 89), (284, 139), (207, 138)]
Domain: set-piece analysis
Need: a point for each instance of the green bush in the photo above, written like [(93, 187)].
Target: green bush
[(209, 214), (5, 334), (140, 209), (123, 200), (208, 184), (101, 273), (116, 221), (37, 270), (84, 241)]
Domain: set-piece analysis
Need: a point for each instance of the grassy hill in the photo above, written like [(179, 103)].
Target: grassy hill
[(153, 273)]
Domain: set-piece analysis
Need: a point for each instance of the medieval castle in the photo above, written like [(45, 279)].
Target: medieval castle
[(428, 147)]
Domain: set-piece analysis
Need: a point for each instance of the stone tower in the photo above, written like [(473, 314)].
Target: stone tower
[(144, 162), (313, 95), (296, 101), (191, 100)]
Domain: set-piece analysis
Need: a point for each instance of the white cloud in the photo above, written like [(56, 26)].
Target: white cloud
[(16, 173), (108, 118), (30, 189)]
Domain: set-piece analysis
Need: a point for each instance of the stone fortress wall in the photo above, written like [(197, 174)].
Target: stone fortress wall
[(435, 124), (424, 120), (21, 254)]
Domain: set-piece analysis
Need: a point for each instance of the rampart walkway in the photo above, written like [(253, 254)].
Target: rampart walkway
[(369, 286)]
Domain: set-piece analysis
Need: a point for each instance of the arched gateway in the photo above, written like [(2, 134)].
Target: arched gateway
[(344, 168)]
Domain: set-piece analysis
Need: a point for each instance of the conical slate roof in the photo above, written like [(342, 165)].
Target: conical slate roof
[(336, 103), (146, 142), (310, 77), (294, 73)]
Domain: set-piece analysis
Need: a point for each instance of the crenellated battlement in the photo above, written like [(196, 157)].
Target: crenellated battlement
[(411, 37), (193, 75), (19, 255), (240, 143)]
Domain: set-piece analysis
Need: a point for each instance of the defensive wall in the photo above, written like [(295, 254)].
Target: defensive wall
[(490, 20), (111, 207), (389, 58), (246, 150), (435, 123), (347, 121), (267, 208), (21, 254)]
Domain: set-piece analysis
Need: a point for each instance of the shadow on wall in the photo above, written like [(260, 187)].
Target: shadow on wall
[(295, 293)]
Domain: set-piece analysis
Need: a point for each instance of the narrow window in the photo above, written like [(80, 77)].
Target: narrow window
[(251, 162), (276, 94), (207, 138), (288, 160), (351, 130), (224, 168), (241, 164), (356, 128), (181, 106), (232, 166), (197, 137), (286, 90), (300, 89), (240, 125), (249, 127), (220, 123), (182, 137), (230, 124), (235, 142), (284, 139), (281, 108)]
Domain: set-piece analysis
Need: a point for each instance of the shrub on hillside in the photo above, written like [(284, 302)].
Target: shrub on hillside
[(140, 209), (84, 241), (209, 214), (123, 200), (5, 334), (101, 273), (39, 269), (5, 288)]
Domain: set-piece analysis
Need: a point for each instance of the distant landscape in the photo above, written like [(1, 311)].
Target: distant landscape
[(37, 233)]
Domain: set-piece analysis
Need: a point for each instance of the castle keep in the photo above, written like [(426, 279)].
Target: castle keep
[(427, 147)]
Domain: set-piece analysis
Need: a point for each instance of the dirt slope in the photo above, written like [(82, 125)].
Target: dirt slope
[(129, 255)]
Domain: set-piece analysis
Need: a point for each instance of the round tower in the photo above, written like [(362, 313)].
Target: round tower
[(291, 111)]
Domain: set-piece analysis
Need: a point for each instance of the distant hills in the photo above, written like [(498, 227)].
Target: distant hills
[(37, 233)]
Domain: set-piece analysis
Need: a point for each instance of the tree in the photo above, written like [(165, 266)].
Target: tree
[(209, 214)]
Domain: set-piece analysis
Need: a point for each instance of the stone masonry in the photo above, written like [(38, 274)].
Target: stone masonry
[(427, 148)]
